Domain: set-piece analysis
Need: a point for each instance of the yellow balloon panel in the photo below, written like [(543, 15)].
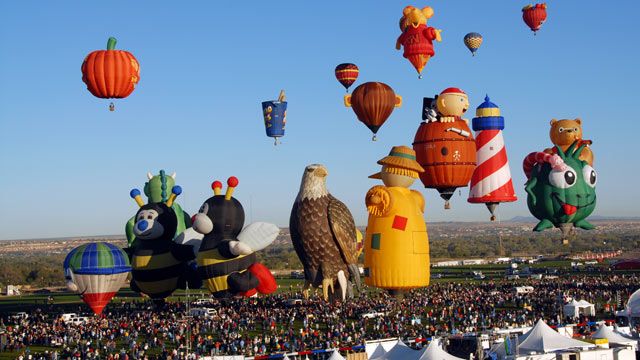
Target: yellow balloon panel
[(396, 242)]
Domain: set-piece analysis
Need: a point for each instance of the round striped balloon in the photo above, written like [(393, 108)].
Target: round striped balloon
[(97, 271)]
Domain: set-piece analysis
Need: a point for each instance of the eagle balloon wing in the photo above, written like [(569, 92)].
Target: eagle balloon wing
[(296, 238), (343, 228)]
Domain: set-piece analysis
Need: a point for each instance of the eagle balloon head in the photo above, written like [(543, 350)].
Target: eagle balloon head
[(220, 216), (155, 221), (313, 183)]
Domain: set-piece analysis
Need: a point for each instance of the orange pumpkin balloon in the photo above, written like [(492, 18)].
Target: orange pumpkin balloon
[(373, 103), (447, 152), (110, 73)]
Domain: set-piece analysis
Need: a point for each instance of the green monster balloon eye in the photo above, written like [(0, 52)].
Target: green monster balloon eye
[(562, 179)]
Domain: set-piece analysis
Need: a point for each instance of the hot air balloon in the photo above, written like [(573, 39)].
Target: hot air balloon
[(275, 117), (158, 189), (347, 74), (491, 182), (373, 102), (445, 148), (534, 16), (472, 41), (110, 74), (96, 271), (417, 38), (561, 189)]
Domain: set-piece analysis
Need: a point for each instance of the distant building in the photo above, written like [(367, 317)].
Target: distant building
[(447, 263), (474, 262), (12, 290)]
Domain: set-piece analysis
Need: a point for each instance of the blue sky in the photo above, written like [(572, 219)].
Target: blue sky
[(68, 163)]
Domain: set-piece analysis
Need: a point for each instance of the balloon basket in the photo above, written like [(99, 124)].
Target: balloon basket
[(447, 205), (112, 107), (276, 142), (374, 138), (419, 76), (493, 218)]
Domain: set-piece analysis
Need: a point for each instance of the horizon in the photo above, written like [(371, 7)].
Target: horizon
[(69, 164)]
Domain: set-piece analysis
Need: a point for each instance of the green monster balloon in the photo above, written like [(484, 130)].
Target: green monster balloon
[(561, 189), (157, 190)]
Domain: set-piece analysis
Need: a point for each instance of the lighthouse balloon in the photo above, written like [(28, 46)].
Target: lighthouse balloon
[(491, 180)]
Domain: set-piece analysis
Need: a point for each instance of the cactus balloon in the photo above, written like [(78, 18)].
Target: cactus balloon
[(157, 190), (561, 190)]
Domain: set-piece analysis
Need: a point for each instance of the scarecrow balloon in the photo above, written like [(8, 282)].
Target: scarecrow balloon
[(396, 250), (110, 74), (275, 116), (491, 180), (96, 271), (417, 38), (347, 74), (373, 103), (561, 189), (158, 189), (472, 41), (227, 261), (534, 16), (444, 145)]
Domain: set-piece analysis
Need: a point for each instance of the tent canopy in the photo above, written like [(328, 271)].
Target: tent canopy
[(542, 339), (400, 351), (435, 352), (336, 356), (376, 349), (577, 308), (614, 337), (633, 305)]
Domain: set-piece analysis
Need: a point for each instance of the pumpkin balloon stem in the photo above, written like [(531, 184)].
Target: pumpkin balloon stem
[(111, 43), (112, 107)]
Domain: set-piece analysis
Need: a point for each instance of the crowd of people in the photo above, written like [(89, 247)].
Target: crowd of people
[(271, 324)]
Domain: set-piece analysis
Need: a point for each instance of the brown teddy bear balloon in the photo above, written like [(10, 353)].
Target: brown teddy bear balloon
[(565, 132)]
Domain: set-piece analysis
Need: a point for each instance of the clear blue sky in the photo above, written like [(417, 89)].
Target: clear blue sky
[(67, 163)]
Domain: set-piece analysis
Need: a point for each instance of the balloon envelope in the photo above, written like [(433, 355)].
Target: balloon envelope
[(534, 16), (98, 270), (373, 103), (347, 74), (473, 41)]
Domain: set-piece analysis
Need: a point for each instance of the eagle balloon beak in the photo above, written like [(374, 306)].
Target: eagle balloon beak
[(321, 172)]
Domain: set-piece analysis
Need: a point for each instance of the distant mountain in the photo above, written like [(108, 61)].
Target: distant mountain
[(531, 219)]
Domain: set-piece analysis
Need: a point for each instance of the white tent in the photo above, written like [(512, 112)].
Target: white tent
[(542, 339), (336, 356), (614, 337), (400, 351), (376, 349), (577, 308), (435, 352), (633, 305)]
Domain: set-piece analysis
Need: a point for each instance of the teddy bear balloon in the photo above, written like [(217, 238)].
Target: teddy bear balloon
[(417, 38), (565, 132)]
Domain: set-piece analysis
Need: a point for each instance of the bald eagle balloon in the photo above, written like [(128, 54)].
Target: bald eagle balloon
[(324, 236), (561, 189)]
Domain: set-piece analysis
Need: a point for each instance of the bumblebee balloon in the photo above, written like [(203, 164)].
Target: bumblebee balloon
[(158, 189), (227, 260), (159, 265), (561, 189)]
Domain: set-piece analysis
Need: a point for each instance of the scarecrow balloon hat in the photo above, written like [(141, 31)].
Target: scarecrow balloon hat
[(400, 161)]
